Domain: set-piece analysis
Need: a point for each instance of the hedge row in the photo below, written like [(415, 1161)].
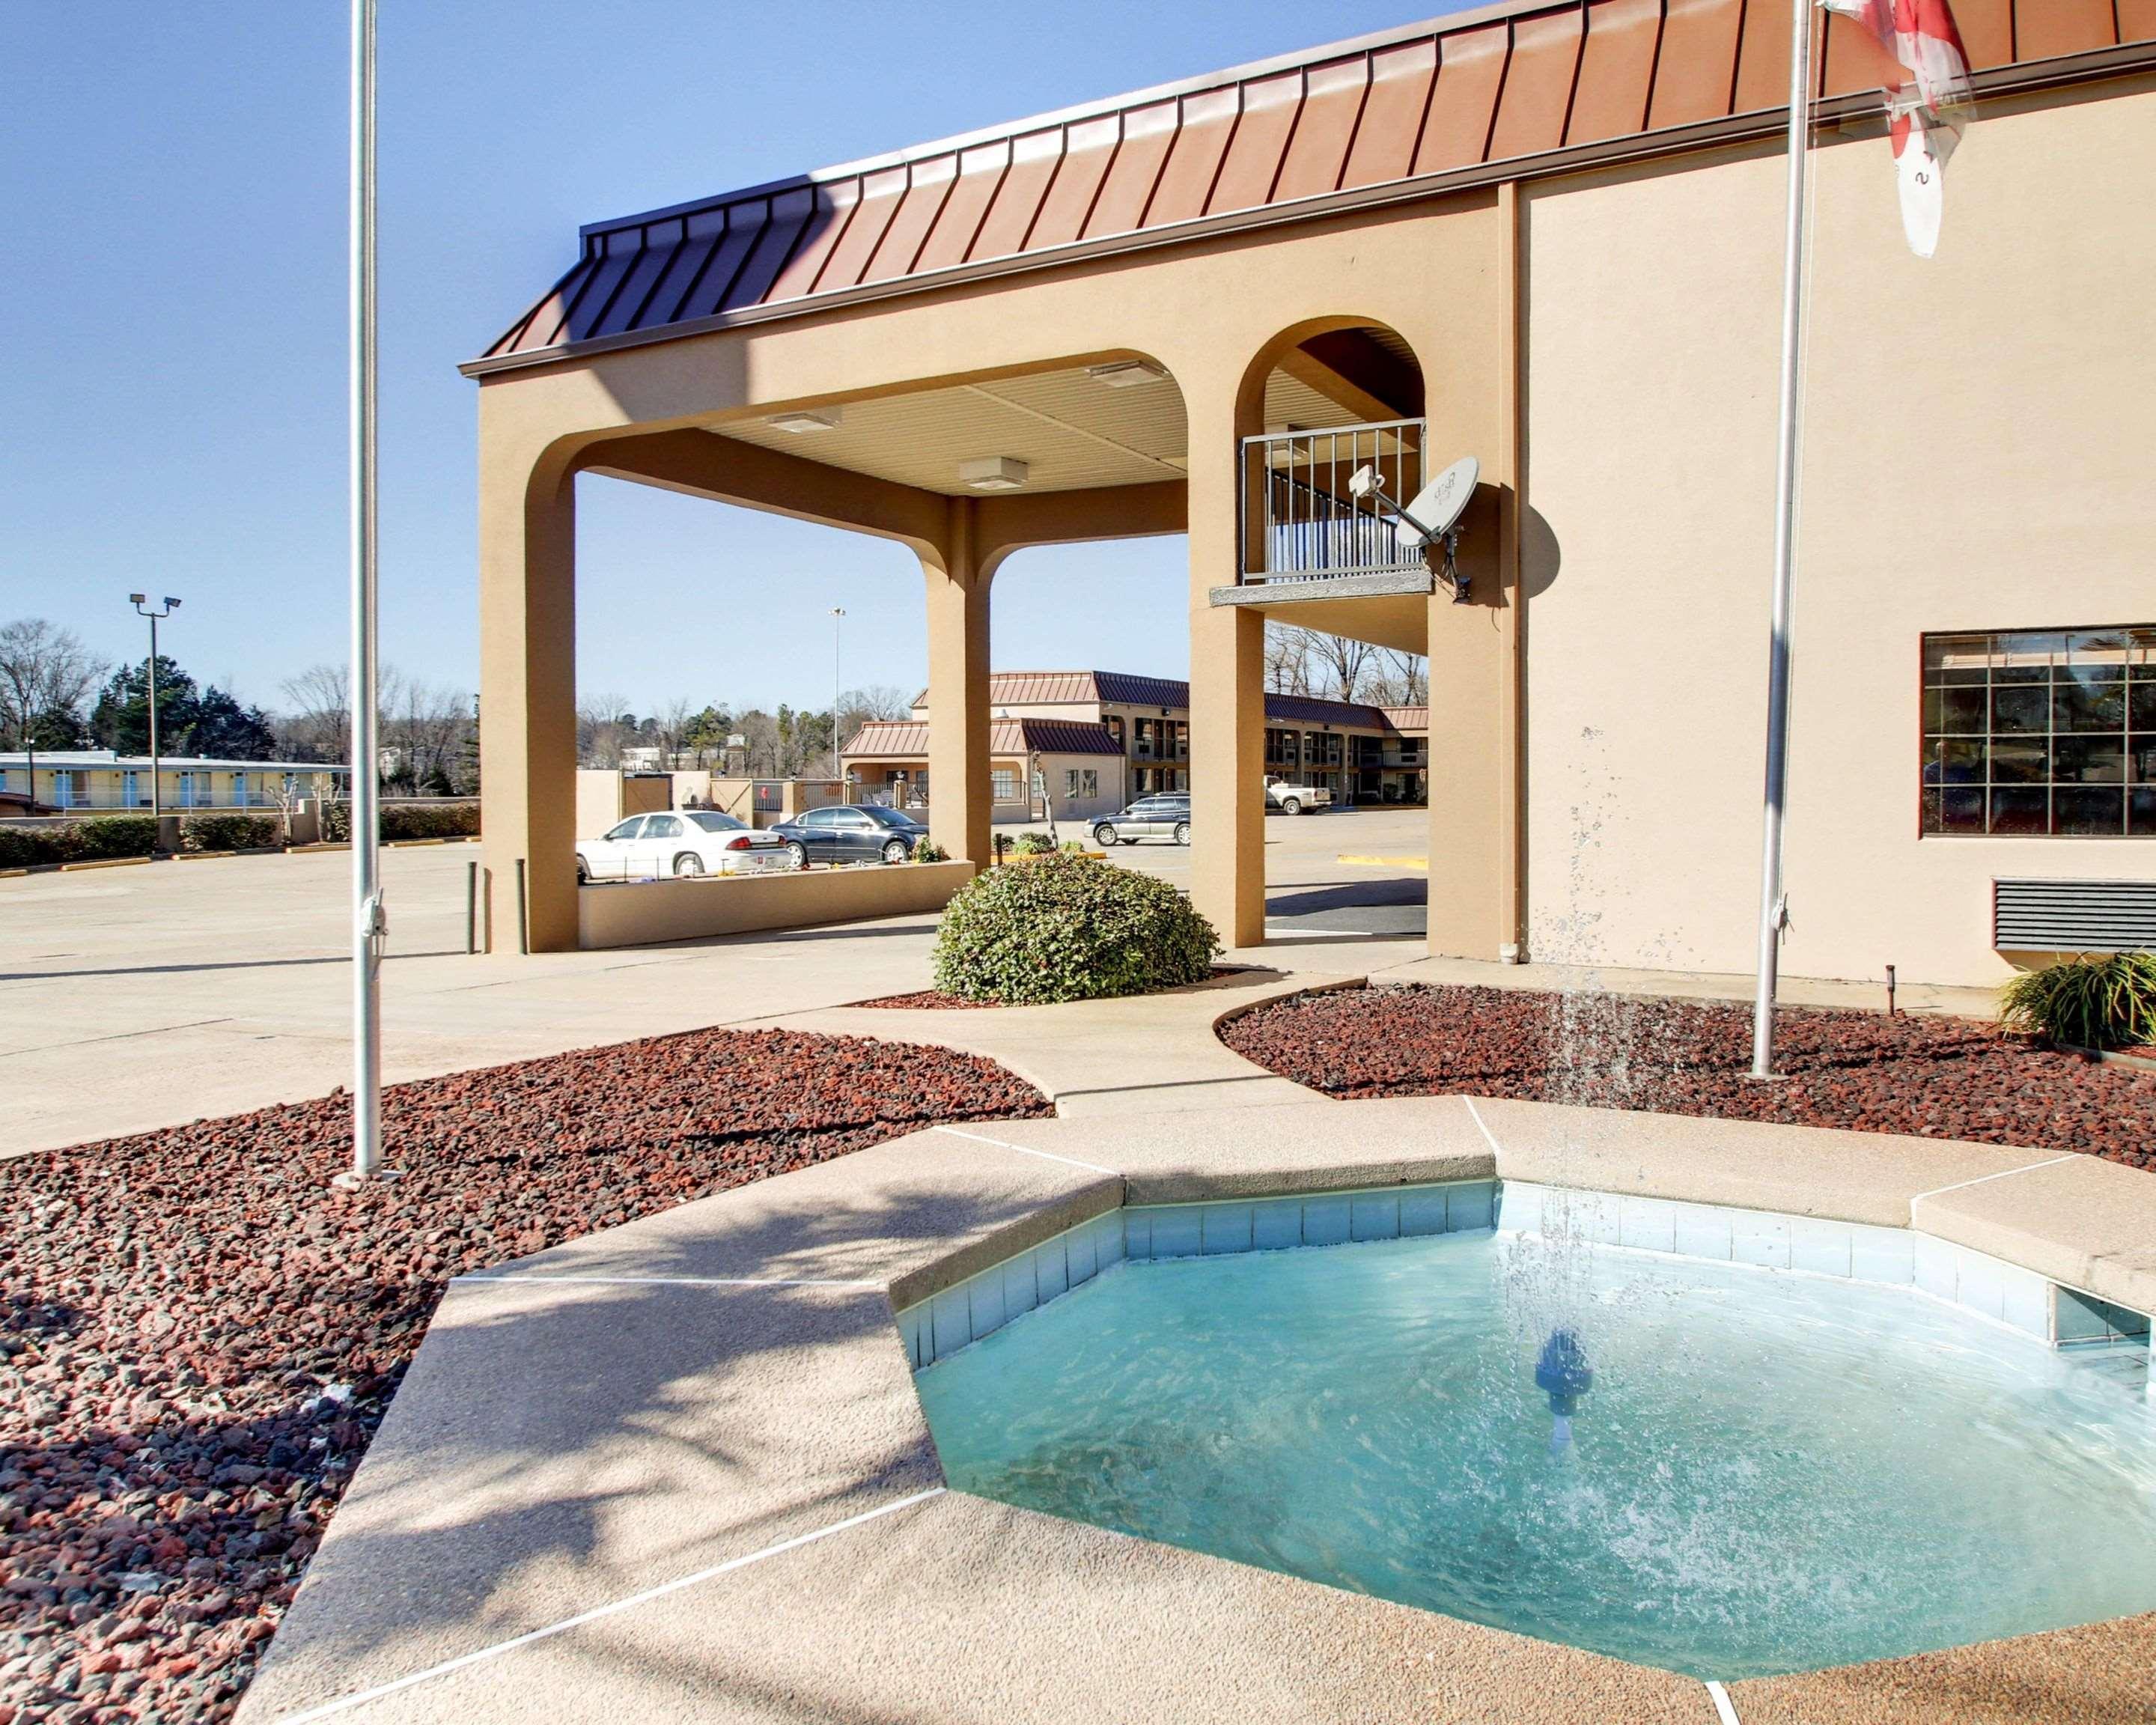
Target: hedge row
[(408, 820), (231, 832)]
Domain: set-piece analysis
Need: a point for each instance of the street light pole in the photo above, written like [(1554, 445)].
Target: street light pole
[(837, 771), (141, 602)]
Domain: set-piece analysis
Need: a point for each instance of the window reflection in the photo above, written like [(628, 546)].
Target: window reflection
[(2049, 732)]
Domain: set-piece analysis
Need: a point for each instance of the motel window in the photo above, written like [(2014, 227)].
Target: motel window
[(1005, 782), (2041, 733), (1080, 782), (1115, 724)]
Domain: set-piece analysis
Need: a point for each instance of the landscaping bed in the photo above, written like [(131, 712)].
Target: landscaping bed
[(1934, 1077), (199, 1334)]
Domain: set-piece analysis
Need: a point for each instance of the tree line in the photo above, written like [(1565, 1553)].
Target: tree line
[(55, 694), (791, 742), (1306, 661)]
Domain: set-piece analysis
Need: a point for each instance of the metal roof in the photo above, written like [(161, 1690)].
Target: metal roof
[(1074, 688), (905, 739), (1523, 87)]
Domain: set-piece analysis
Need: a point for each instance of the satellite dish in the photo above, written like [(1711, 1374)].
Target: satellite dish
[(1437, 507)]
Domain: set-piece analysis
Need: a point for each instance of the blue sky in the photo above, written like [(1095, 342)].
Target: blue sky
[(172, 184)]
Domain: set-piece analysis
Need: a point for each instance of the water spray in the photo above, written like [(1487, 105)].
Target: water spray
[(1563, 1374)]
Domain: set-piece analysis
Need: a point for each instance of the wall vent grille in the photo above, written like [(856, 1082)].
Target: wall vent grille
[(2073, 915)]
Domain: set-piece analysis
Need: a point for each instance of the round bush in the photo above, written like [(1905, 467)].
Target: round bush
[(1069, 928)]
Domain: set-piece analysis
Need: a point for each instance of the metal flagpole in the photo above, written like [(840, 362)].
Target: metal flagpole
[(1771, 895), (368, 925), (838, 623)]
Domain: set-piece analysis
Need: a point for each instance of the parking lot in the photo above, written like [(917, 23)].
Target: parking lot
[(137, 997)]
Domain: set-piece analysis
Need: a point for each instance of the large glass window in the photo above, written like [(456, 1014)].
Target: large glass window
[(2050, 732), (1004, 784)]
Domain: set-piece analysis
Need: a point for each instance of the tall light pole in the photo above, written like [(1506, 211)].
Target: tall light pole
[(368, 924), (837, 771), (141, 602)]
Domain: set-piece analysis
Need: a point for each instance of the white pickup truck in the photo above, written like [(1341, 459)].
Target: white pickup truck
[(1294, 799)]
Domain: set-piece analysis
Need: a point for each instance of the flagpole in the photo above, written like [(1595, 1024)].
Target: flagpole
[(368, 922), (1771, 916)]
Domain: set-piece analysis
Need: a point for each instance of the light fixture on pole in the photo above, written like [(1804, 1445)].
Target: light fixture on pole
[(369, 926), (1432, 518), (141, 602), (838, 773)]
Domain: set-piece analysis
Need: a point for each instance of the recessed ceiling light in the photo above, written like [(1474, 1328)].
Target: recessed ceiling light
[(1128, 373), (993, 472), (807, 419)]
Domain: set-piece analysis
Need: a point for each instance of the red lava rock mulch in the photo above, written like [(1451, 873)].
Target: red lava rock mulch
[(1934, 1077), (936, 1000), (199, 1335)]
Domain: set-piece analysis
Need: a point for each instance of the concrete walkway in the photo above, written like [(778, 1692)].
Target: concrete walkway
[(677, 1470)]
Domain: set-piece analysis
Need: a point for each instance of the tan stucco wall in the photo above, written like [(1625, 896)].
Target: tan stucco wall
[(649, 912), (1977, 449)]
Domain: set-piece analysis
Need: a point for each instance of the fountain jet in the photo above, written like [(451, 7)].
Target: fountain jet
[(1563, 1374)]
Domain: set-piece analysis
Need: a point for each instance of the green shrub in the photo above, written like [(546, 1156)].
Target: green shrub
[(116, 835), (1074, 847), (1032, 845), (429, 820), (28, 847), (2107, 1001), (406, 820), (1069, 928), (232, 831), (927, 850)]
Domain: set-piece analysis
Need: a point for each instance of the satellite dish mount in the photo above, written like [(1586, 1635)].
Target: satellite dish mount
[(1432, 518)]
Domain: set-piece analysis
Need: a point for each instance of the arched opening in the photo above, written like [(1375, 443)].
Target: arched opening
[(1345, 602)]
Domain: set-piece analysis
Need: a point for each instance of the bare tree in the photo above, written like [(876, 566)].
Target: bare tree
[(670, 729), (1287, 660), (601, 731), (429, 727), (317, 724), (876, 701), (1398, 679), (46, 674)]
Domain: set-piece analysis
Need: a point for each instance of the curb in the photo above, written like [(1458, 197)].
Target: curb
[(104, 862), (2111, 1057)]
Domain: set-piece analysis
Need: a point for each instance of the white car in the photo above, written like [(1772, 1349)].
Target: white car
[(686, 842)]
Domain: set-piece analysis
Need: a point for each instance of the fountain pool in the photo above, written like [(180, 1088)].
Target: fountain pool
[(1766, 1472)]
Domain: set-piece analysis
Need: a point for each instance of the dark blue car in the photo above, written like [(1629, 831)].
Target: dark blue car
[(863, 833)]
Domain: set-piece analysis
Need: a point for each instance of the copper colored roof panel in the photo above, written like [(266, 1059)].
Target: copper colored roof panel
[(1537, 94), (1471, 71), (2046, 28), (1616, 69), (1524, 87), (1331, 105), (1400, 80), (1693, 73)]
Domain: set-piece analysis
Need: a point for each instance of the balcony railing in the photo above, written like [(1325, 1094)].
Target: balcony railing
[(1300, 522)]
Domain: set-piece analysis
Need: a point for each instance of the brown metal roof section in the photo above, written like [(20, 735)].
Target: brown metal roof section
[(1516, 89), (903, 740)]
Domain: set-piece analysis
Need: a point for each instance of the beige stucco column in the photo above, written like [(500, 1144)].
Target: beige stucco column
[(960, 793), (1474, 792), (527, 580), (1227, 687)]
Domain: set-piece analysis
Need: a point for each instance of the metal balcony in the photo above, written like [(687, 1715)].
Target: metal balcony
[(1305, 534)]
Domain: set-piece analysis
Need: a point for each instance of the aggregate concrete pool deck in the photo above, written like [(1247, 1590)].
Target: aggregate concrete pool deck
[(677, 1469)]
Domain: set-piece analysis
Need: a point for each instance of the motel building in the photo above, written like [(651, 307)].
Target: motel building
[(1546, 235), (1093, 741), (68, 780)]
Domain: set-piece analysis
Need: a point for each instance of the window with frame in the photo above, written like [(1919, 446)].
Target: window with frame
[(2048, 733), (1004, 784)]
